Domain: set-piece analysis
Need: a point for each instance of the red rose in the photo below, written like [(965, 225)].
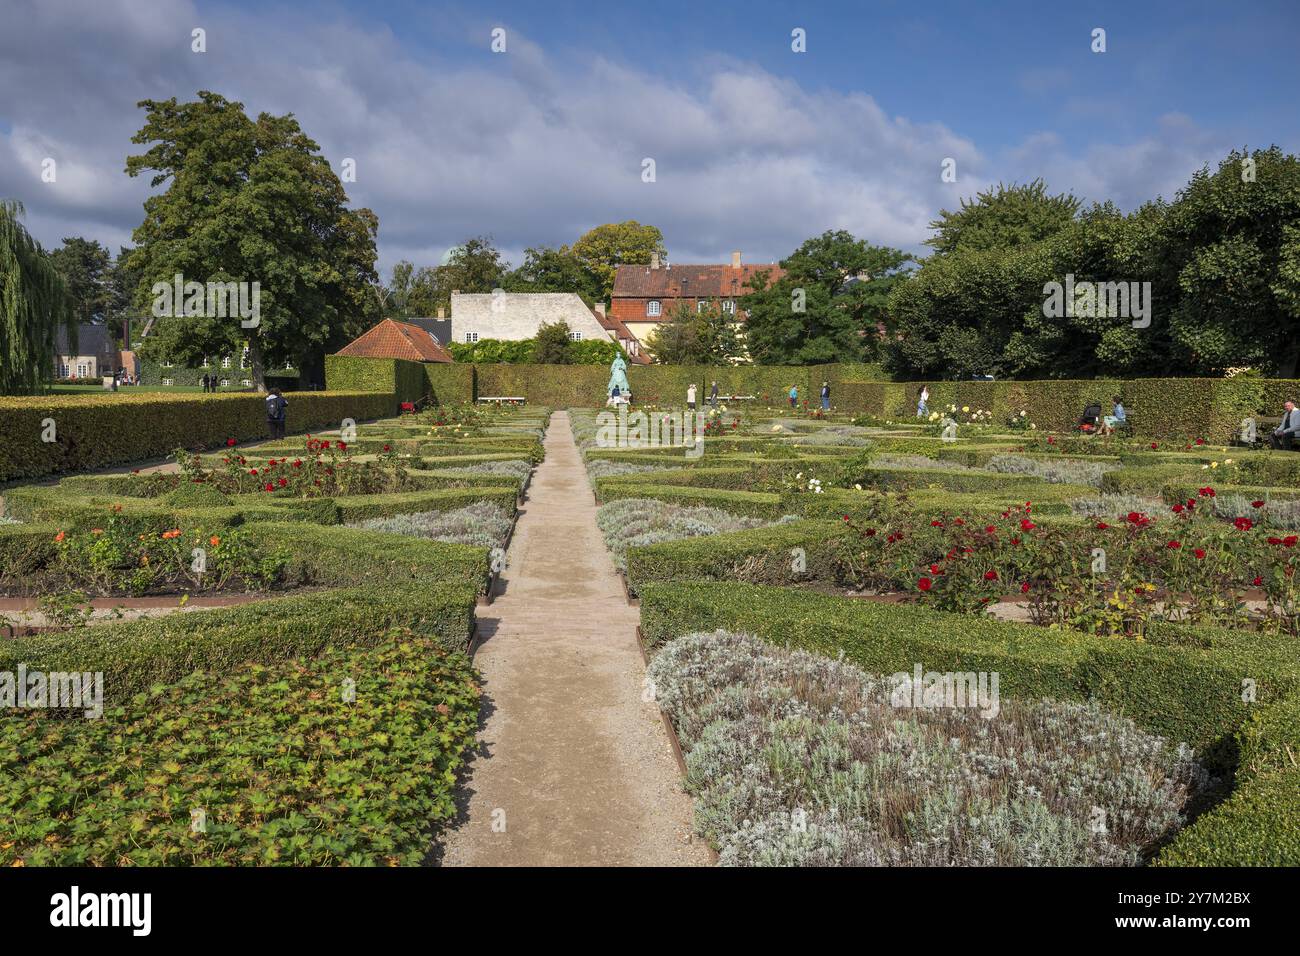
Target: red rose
[(1200, 441), (1178, 509), (230, 443), (1257, 582), (1290, 540), (1200, 553), (1102, 526), (282, 482), (1273, 540), (1154, 446), (934, 569), (924, 584), (990, 575), (343, 446), (1244, 524), (388, 448), (1174, 545), (990, 529), (1027, 525), (936, 523), (270, 487), (252, 471), (1257, 504), (1024, 588)]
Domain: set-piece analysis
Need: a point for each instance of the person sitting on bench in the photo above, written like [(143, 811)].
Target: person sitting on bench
[(1116, 419), (1088, 420), (1284, 435)]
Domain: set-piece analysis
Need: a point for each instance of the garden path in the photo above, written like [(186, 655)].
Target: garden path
[(574, 761)]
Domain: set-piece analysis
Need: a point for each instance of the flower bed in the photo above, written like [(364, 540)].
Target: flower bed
[(796, 759), (265, 764)]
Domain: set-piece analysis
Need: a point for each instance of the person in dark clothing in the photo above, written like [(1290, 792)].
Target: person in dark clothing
[(275, 413), (826, 396), (1091, 415)]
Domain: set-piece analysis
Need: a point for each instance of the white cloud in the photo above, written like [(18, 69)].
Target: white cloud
[(530, 147)]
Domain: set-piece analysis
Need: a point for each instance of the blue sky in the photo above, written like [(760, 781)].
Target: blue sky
[(756, 147)]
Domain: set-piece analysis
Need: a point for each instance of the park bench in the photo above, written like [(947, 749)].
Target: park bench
[(499, 399)]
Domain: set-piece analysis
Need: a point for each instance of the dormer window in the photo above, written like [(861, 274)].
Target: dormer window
[(652, 307)]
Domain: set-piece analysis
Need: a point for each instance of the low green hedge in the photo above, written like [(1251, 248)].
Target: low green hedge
[(134, 655), (1144, 479), (759, 556), (96, 431), (1259, 824), (350, 557), (755, 503)]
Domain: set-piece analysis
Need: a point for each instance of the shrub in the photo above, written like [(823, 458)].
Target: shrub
[(1060, 471), (631, 522), (95, 431), (482, 524), (773, 735), (1190, 694)]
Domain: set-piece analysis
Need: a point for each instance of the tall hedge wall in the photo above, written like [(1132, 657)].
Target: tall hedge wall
[(1200, 407), (96, 431)]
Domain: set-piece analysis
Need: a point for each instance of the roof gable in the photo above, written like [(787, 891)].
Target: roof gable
[(393, 339)]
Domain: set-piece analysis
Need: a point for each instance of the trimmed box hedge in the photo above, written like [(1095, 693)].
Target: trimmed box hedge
[(754, 503), (352, 508), (97, 431), (758, 556), (137, 654)]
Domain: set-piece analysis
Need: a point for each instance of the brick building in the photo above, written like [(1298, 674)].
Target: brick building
[(644, 296)]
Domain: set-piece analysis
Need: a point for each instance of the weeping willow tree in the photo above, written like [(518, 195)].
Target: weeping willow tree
[(33, 306)]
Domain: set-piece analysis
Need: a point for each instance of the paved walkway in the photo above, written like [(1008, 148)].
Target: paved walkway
[(576, 765)]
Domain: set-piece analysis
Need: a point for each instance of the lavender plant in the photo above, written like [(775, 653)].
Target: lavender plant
[(482, 524), (800, 760)]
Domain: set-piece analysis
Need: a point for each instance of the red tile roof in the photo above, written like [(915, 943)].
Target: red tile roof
[(688, 281), (393, 339), (622, 333)]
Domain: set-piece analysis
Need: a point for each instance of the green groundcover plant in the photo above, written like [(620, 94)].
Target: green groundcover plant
[(349, 758)]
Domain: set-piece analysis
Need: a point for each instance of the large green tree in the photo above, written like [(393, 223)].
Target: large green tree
[(551, 269), (249, 201), (1003, 218), (694, 336), (34, 304), (617, 243), (1234, 236), (474, 266), (830, 306), (86, 267)]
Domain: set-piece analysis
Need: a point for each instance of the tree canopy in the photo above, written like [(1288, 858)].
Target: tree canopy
[(830, 306), (34, 304), (1218, 269), (249, 201)]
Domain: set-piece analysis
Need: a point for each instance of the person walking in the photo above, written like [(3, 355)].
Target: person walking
[(921, 409), (713, 394), (794, 395), (275, 413), (690, 396), (826, 396), (1284, 435)]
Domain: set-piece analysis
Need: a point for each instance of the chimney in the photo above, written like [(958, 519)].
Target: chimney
[(600, 309), (442, 312), (654, 260), (735, 259)]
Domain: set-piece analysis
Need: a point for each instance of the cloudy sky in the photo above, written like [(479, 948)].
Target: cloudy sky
[(756, 147)]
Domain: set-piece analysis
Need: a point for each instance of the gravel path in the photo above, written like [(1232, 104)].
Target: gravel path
[(576, 768)]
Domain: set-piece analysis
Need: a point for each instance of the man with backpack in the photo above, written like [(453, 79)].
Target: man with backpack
[(275, 416)]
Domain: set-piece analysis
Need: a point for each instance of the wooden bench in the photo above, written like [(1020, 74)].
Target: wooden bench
[(520, 399)]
